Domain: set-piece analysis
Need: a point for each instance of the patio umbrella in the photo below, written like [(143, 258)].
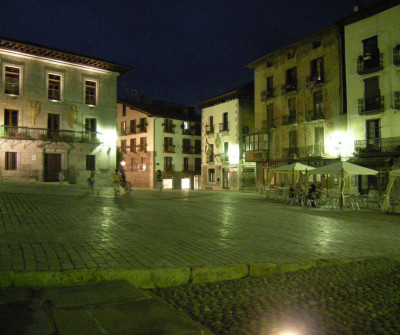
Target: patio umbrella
[(343, 169), (392, 178), (294, 170)]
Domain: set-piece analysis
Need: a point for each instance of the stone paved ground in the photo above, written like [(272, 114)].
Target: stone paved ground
[(48, 227)]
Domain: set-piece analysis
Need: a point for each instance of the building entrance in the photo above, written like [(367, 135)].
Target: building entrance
[(52, 165)]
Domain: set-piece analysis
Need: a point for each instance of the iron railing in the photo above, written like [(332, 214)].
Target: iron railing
[(289, 119), (169, 168), (396, 55), (369, 63), (387, 144), (267, 94), (314, 115), (169, 148), (397, 100), (224, 126), (209, 129), (43, 134), (373, 104)]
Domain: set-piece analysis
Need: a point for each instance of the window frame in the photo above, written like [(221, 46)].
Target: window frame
[(90, 162), (20, 76), (60, 91), (13, 164), (85, 95)]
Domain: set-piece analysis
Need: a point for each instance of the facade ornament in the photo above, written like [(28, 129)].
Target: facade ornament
[(72, 115), (34, 110)]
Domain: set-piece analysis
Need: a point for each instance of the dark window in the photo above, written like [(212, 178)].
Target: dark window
[(132, 145), (186, 146), (185, 164), (11, 161), (90, 92), (143, 144), (373, 134), (197, 147), (90, 162), (143, 124), (11, 122), (292, 110), (317, 69), (123, 110), (169, 144), (197, 164), (293, 142), (269, 64), (53, 125), (54, 87), (168, 164), (169, 126), (291, 79), (318, 141), (11, 80), (372, 94), (270, 115), (225, 122), (318, 102), (270, 84), (91, 128), (133, 126), (371, 53), (123, 146)]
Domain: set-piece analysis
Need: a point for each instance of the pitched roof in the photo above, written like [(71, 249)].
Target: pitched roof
[(46, 52), (245, 91), (163, 109)]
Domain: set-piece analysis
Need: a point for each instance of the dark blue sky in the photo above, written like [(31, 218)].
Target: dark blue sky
[(183, 51)]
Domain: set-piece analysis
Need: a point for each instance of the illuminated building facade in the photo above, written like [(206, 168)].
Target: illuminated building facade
[(372, 44), (159, 136), (300, 113), (225, 120), (57, 112)]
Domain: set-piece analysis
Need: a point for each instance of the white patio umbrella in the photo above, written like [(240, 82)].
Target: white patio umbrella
[(392, 178), (343, 169), (294, 170)]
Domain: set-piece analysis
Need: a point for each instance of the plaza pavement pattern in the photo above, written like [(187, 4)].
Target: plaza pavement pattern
[(52, 234)]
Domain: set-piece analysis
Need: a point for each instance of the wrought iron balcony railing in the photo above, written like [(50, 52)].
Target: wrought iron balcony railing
[(289, 87), (396, 55), (256, 156), (187, 149), (388, 144), (397, 100), (369, 63), (169, 168), (314, 115), (224, 126), (169, 148), (289, 119), (371, 105), (267, 124), (43, 134), (267, 94), (209, 129)]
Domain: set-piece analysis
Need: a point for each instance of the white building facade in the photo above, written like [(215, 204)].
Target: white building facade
[(57, 112), (159, 136), (225, 120), (372, 44)]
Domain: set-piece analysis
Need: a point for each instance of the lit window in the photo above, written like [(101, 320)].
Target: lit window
[(90, 92), (54, 87), (12, 80)]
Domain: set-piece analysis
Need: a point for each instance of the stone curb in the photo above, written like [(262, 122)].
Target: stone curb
[(163, 277)]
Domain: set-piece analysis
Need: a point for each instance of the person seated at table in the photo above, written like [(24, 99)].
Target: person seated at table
[(291, 192), (312, 194), (299, 193)]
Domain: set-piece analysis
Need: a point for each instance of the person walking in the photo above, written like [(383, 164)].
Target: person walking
[(91, 181), (61, 177), (117, 182), (159, 179)]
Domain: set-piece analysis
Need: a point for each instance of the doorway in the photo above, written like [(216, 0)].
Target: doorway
[(225, 178), (52, 165)]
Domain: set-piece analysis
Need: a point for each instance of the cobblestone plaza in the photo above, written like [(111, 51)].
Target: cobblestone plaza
[(51, 227)]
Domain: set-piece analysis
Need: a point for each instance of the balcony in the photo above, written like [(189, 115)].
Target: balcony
[(369, 63), (371, 105), (376, 145), (169, 148), (267, 94), (316, 150), (397, 100), (289, 87), (291, 153), (170, 129), (314, 116), (267, 124), (209, 129), (142, 148), (223, 127), (396, 55), (313, 80), (42, 134), (142, 128), (289, 119), (169, 168)]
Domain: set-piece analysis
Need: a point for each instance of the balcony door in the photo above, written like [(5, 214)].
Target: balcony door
[(318, 141), (372, 94), (10, 122), (292, 142), (53, 125), (373, 135), (52, 165)]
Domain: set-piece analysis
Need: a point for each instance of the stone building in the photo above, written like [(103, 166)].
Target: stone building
[(58, 111), (300, 113), (159, 136), (226, 118), (372, 44)]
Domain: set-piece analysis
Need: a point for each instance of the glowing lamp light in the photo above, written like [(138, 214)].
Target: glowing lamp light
[(123, 163), (233, 154), (109, 137)]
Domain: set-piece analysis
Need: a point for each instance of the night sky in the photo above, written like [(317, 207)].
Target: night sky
[(182, 51)]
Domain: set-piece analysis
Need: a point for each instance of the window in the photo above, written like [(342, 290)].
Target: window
[(372, 94), (270, 115), (123, 110), (11, 161), (143, 164), (318, 103), (197, 164), (169, 144), (292, 110), (12, 80), (132, 145), (11, 122), (54, 83), (291, 79), (211, 175), (292, 142), (318, 141), (133, 164), (168, 164), (123, 146), (186, 125), (373, 134), (91, 128), (186, 146), (90, 162), (269, 64), (291, 54), (185, 164), (169, 126), (143, 124), (317, 69), (197, 146), (226, 151), (270, 84), (225, 122), (53, 125), (90, 92), (123, 128), (133, 126), (256, 142), (371, 58), (143, 144)]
